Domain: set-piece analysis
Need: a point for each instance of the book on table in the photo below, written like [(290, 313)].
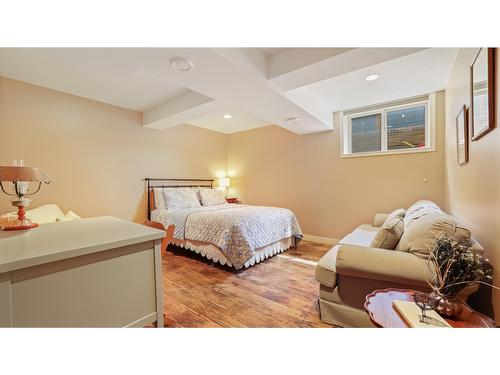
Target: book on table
[(410, 312)]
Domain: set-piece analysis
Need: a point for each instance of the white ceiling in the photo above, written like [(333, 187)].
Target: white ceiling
[(419, 73), (257, 86), (122, 77)]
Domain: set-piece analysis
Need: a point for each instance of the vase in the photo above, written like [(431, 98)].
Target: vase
[(451, 307)]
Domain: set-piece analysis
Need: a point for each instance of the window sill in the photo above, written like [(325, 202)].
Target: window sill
[(385, 153)]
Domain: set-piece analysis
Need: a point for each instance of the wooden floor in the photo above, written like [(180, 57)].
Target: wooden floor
[(279, 292)]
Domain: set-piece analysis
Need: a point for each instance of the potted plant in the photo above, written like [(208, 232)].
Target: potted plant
[(455, 270)]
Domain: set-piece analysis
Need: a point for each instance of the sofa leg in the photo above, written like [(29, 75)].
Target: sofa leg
[(319, 308)]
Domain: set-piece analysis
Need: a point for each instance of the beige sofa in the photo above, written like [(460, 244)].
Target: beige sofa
[(352, 269)]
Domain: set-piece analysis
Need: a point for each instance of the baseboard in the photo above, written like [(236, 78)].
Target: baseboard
[(325, 240)]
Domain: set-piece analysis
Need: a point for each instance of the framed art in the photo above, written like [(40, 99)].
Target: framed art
[(482, 93), (462, 136)]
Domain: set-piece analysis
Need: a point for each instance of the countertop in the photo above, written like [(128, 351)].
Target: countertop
[(67, 239)]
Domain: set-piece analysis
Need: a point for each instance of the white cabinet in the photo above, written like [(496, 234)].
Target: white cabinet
[(96, 272)]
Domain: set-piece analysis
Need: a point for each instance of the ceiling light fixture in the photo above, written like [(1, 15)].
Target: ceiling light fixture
[(292, 120), (371, 77), (227, 116), (181, 64)]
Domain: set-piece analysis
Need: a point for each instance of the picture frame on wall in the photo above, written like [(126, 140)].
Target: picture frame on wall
[(462, 136), (482, 93)]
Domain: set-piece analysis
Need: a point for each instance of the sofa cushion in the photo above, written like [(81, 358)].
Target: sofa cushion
[(379, 264), (420, 234), (388, 235), (325, 270), (361, 236)]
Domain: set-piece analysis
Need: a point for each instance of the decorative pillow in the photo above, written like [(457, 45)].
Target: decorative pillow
[(180, 198), (390, 232), (420, 208), (159, 199), (420, 234), (48, 213), (70, 215), (211, 197)]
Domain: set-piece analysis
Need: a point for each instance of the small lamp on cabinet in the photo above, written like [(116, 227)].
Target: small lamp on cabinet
[(21, 177)]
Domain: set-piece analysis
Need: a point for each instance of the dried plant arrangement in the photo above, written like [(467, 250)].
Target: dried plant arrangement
[(454, 266)]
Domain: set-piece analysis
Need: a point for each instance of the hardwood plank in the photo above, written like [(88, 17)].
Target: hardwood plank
[(279, 292)]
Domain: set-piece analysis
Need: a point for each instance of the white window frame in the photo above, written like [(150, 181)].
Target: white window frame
[(430, 128)]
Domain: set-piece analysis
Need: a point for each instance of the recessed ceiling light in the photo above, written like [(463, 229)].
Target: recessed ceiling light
[(181, 64), (292, 120), (371, 77), (227, 116)]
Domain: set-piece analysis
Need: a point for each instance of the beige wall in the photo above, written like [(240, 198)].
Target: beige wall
[(96, 154), (331, 195), (473, 190)]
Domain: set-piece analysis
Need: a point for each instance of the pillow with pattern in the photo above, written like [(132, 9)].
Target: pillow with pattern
[(211, 197), (180, 198)]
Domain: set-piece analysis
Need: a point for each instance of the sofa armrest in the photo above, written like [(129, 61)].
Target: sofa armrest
[(380, 264), (379, 219)]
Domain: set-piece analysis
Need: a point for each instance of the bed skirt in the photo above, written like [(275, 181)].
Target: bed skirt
[(213, 253)]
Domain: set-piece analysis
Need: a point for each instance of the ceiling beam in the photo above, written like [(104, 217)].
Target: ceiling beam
[(181, 109), (344, 61), (232, 81)]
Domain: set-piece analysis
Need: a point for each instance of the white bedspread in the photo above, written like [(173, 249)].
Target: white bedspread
[(237, 230)]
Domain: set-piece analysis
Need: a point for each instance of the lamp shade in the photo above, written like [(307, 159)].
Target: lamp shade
[(28, 174), (224, 182)]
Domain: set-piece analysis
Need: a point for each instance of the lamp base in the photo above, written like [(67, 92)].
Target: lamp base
[(22, 222), (21, 227)]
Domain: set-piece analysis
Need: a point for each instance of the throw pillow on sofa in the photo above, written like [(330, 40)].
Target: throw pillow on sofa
[(390, 232), (420, 235), (418, 205), (419, 209)]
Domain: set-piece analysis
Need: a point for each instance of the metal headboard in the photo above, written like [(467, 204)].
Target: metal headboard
[(175, 183)]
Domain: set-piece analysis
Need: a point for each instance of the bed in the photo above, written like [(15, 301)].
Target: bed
[(236, 235)]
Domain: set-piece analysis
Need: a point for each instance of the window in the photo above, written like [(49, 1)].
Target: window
[(406, 128), (366, 133), (393, 128)]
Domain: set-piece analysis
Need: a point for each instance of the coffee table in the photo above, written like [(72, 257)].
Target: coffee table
[(379, 306)]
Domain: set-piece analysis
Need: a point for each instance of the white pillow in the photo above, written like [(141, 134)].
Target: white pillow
[(47, 213), (180, 198), (70, 215), (420, 208), (211, 197), (159, 200)]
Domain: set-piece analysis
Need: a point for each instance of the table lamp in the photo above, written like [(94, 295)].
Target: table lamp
[(20, 177), (224, 184)]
